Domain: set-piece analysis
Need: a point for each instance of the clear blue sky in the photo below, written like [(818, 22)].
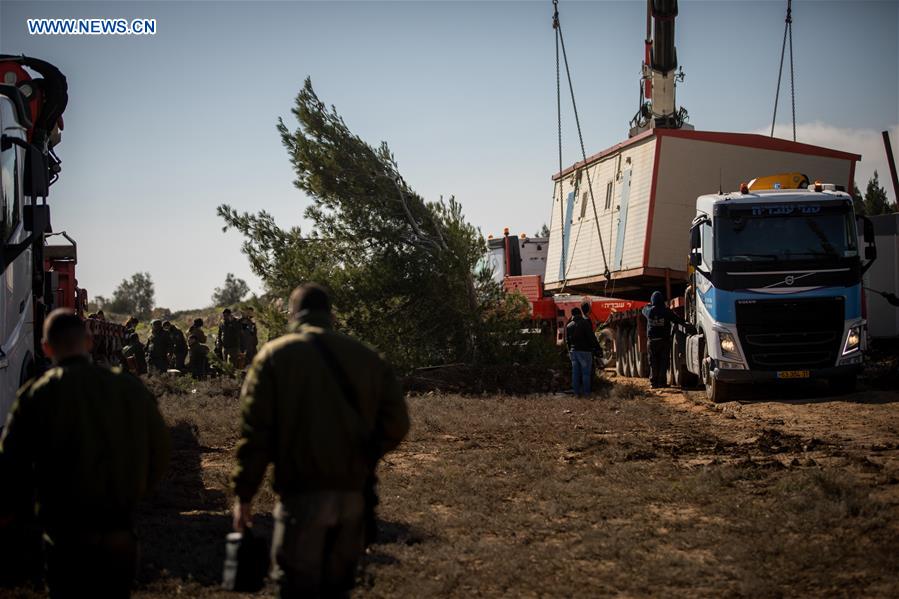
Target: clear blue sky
[(162, 129)]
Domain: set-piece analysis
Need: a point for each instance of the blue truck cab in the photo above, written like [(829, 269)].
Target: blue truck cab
[(775, 288)]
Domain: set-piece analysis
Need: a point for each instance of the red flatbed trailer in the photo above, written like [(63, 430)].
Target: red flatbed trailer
[(554, 311)]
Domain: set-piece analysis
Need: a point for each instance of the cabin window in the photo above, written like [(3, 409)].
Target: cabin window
[(609, 195), (707, 246), (584, 204)]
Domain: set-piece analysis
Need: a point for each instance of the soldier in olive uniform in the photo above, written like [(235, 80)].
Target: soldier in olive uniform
[(131, 326), (339, 409), (179, 344), (196, 329), (228, 339), (135, 352), (82, 446), (249, 337), (159, 346), (198, 356)]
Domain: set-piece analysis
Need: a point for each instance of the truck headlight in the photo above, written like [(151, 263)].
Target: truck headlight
[(726, 343), (853, 339)]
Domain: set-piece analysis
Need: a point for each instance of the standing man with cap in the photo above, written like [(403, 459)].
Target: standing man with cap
[(249, 337), (196, 329), (324, 408), (228, 338), (179, 344), (82, 446), (582, 344), (135, 355), (658, 331), (159, 346)]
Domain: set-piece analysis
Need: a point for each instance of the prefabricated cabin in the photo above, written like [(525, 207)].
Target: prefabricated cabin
[(644, 196)]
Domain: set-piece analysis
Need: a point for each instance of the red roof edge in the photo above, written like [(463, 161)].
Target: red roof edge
[(599, 155), (751, 140)]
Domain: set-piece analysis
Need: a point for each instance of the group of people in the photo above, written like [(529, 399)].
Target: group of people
[(84, 443), (236, 343), (583, 345)]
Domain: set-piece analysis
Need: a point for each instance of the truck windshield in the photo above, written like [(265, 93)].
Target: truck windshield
[(771, 237)]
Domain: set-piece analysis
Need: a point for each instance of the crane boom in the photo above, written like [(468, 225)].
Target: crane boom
[(660, 75)]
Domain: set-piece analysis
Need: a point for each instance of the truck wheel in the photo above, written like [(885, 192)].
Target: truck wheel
[(607, 343), (674, 379), (628, 353), (619, 352), (641, 363), (715, 390), (670, 374), (842, 385), (683, 378), (635, 355)]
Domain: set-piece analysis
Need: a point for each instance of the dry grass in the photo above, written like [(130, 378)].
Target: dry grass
[(565, 497), (550, 495)]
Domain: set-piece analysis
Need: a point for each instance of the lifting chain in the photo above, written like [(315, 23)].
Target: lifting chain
[(788, 33), (560, 43)]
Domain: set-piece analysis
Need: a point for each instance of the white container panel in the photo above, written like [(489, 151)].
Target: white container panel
[(584, 250), (689, 168)]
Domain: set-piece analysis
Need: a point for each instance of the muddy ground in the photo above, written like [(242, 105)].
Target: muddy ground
[(634, 493)]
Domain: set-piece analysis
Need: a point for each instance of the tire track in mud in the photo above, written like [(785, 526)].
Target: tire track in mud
[(858, 431)]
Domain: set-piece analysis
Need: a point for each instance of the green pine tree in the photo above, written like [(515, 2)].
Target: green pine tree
[(876, 201), (858, 200), (403, 272)]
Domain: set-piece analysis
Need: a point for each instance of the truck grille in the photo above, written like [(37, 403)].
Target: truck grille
[(794, 334)]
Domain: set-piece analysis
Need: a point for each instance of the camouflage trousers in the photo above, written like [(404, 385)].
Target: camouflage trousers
[(317, 544)]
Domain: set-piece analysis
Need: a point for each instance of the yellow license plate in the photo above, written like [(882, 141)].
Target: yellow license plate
[(793, 374)]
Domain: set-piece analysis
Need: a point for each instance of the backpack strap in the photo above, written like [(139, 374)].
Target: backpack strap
[(337, 371)]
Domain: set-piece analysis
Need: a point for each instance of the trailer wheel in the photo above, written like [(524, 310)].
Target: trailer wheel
[(619, 354), (628, 353), (641, 363), (607, 343)]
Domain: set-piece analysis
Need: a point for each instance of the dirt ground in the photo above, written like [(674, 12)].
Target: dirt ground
[(634, 493)]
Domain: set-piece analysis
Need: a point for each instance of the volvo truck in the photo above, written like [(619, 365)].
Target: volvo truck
[(775, 289)]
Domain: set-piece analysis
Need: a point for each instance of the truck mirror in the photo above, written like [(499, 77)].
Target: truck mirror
[(695, 238), (871, 252), (37, 173), (870, 247), (695, 259), (36, 218), (868, 229)]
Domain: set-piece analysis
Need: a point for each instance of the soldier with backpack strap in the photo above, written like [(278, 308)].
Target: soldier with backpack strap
[(324, 408)]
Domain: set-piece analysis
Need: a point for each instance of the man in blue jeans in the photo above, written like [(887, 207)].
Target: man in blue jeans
[(582, 344)]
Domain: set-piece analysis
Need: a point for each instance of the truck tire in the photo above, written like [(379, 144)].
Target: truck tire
[(641, 360), (680, 376), (607, 343), (628, 352), (676, 362), (619, 351), (715, 390), (671, 373), (842, 385)]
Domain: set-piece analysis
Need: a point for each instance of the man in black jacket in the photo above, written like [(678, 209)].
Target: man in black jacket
[(658, 331), (582, 344)]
